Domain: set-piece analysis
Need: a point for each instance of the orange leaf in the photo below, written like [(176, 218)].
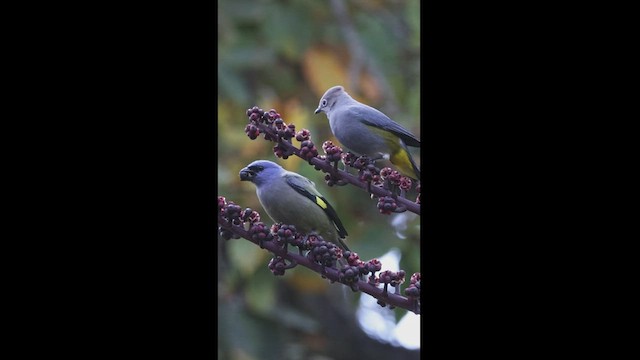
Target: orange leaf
[(324, 68)]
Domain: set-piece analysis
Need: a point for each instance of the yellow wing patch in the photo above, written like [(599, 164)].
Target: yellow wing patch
[(321, 203)]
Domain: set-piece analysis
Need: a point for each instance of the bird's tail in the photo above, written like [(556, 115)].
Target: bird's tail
[(403, 160)]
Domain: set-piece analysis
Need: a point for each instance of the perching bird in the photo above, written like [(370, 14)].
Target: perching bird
[(292, 199), (367, 131)]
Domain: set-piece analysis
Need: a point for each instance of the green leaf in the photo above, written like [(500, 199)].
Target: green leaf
[(246, 256)]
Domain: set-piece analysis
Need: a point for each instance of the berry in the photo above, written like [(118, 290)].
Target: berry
[(252, 131), (376, 180), (303, 135), (353, 259), (270, 116), (322, 252), (226, 234), (405, 183), (334, 153), (286, 234), (250, 215), (415, 278), (348, 158), (288, 132), (386, 205), (259, 233), (277, 266), (308, 150), (374, 265), (329, 179), (280, 151), (385, 172), (360, 162), (231, 212), (394, 177)]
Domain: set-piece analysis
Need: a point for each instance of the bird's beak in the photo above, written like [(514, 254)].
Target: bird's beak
[(246, 175), (317, 111)]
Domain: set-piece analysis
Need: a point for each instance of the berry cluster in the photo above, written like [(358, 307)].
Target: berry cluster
[(356, 268), (348, 158), (373, 265), (252, 131), (229, 211), (308, 150), (303, 135), (364, 267), (387, 278), (334, 152), (322, 252), (259, 232), (394, 177), (250, 216), (285, 234), (387, 205), (413, 290), (405, 183), (350, 275), (270, 118), (280, 151), (222, 202), (392, 278), (367, 171), (283, 130), (360, 162), (277, 130), (255, 114), (277, 265), (255, 117), (258, 115), (233, 215)]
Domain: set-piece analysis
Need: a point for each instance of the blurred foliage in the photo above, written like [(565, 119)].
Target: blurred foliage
[(285, 55)]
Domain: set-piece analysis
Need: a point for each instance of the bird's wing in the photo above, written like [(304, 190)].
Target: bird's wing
[(306, 188), (372, 117)]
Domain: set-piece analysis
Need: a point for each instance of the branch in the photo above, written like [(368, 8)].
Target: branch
[(273, 127), (231, 225)]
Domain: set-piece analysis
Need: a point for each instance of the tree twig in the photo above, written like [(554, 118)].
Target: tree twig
[(328, 168), (328, 272)]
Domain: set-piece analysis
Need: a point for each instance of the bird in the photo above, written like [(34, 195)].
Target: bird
[(292, 199), (367, 131)]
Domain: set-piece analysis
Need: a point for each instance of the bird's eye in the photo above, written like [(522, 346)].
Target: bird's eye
[(324, 102), (256, 168)]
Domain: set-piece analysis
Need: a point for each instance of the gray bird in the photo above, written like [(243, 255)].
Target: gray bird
[(367, 131), (292, 199)]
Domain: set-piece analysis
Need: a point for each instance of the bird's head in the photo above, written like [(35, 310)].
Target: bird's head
[(330, 98), (260, 171)]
